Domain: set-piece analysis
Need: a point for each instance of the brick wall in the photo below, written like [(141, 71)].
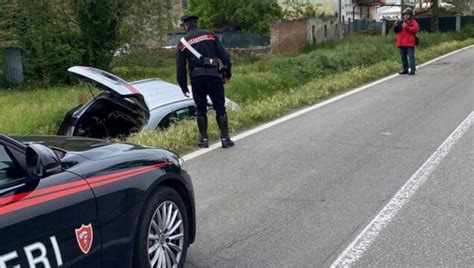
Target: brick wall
[(291, 36), (288, 36)]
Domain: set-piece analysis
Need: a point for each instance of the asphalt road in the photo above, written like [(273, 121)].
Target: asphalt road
[(298, 194)]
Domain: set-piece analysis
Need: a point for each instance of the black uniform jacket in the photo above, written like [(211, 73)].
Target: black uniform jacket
[(206, 43)]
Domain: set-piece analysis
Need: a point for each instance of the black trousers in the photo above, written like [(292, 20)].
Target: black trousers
[(208, 85)]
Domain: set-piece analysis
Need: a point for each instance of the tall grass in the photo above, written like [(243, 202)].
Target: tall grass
[(37, 111), (264, 88), (265, 78)]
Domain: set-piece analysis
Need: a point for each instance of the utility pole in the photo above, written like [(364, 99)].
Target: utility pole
[(340, 10)]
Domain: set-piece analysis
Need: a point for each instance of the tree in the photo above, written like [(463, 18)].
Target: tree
[(57, 34), (300, 10), (148, 21), (107, 25), (435, 17), (8, 19), (460, 7), (100, 23), (238, 15), (45, 33)]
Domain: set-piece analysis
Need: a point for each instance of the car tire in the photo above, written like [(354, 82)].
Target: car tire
[(165, 244)]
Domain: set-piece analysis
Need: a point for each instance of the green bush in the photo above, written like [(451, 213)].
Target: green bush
[(50, 42), (467, 32), (57, 34), (240, 15), (100, 23)]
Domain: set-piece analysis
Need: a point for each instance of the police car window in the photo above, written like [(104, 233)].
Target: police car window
[(8, 169)]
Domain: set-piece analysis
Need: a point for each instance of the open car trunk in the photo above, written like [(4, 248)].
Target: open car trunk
[(117, 111), (103, 117)]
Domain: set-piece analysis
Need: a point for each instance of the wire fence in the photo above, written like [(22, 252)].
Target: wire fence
[(446, 24), (3, 81)]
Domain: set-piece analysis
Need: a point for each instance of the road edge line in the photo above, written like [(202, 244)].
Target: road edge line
[(362, 242)]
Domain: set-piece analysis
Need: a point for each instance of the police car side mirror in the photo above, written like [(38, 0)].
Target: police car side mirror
[(41, 161)]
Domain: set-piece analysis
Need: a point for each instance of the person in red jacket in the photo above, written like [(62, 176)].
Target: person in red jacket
[(406, 34)]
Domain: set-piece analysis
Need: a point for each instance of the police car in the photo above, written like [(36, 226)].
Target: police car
[(79, 202)]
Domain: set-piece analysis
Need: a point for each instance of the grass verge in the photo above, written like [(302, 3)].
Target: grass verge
[(37, 111), (183, 137), (265, 89)]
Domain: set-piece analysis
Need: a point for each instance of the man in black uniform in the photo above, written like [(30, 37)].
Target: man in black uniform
[(206, 78)]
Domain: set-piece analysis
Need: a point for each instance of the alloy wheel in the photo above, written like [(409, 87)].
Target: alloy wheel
[(165, 236)]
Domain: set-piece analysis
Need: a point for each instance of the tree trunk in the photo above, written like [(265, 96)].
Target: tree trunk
[(402, 7), (435, 17)]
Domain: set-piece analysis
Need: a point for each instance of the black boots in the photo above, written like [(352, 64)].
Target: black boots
[(226, 143), (203, 143), (202, 126), (224, 128)]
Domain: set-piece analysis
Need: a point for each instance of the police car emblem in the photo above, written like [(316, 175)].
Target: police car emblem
[(85, 236)]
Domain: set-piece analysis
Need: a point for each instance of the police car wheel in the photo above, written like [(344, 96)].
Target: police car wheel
[(163, 231)]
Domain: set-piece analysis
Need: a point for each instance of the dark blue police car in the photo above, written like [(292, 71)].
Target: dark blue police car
[(69, 201)]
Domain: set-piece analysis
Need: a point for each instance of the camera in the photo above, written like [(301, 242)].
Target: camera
[(398, 26)]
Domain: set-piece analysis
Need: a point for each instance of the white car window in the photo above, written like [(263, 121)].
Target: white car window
[(178, 115)]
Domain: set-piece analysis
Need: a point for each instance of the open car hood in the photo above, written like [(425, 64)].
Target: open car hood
[(109, 82)]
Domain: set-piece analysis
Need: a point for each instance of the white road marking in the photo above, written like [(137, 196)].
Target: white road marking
[(363, 241), (247, 133), (444, 56)]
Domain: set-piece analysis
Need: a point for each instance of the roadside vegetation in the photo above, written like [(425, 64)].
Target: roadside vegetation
[(265, 89)]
